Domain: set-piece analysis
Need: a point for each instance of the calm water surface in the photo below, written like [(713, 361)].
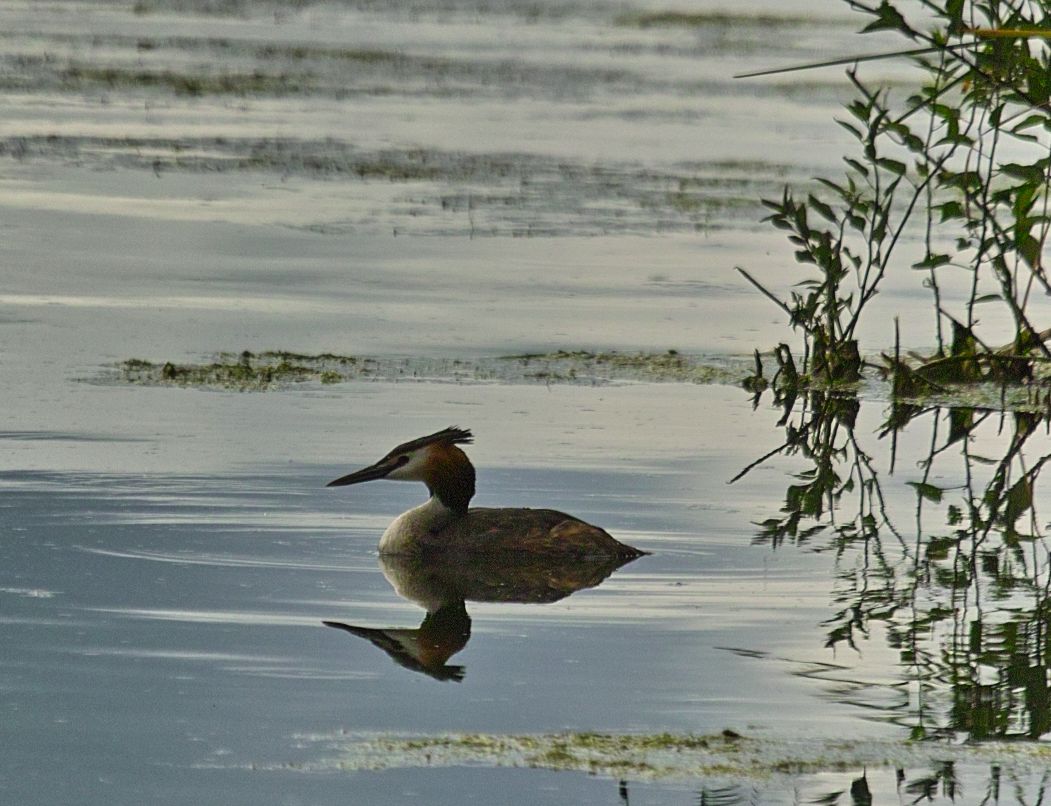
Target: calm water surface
[(461, 179)]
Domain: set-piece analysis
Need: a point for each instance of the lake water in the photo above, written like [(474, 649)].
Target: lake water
[(467, 180)]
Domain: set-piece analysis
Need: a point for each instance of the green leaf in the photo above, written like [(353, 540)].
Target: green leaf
[(950, 209), (954, 14), (854, 130), (894, 166), (927, 491), (1029, 249), (839, 189), (888, 19), (932, 261), (1030, 173), (1019, 499), (857, 166), (822, 209), (1029, 122), (860, 110)]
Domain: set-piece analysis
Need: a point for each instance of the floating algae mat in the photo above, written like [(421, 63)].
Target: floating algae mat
[(275, 369), (743, 769), (278, 369)]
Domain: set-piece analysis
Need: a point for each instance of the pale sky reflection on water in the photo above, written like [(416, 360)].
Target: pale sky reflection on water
[(470, 180)]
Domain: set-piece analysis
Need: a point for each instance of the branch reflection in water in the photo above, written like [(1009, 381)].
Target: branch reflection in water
[(947, 554), (442, 585)]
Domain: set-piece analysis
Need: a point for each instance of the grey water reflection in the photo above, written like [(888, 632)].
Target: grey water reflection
[(939, 548), (944, 782), (443, 585), (940, 783)]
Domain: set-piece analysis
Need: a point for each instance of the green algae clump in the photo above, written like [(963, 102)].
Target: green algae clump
[(252, 371)]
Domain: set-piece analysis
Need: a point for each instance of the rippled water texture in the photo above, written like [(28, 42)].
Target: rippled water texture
[(446, 182)]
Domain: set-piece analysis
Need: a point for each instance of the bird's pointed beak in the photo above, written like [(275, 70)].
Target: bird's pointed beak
[(376, 471)]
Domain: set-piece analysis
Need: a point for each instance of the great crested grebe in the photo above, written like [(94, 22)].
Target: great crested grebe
[(445, 523)]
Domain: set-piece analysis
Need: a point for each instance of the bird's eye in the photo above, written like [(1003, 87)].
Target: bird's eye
[(402, 460)]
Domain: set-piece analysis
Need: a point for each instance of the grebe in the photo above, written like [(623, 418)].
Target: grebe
[(445, 523)]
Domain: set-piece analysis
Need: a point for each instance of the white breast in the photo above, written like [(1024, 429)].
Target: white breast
[(410, 527)]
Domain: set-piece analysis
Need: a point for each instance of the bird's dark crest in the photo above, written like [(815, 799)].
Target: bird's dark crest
[(452, 435)]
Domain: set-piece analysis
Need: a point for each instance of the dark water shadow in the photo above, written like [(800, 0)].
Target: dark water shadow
[(943, 556), (442, 585)]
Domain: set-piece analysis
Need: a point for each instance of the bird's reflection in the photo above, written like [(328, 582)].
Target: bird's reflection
[(425, 649), (443, 585)]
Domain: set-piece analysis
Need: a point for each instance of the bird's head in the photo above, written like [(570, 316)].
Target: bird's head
[(434, 459)]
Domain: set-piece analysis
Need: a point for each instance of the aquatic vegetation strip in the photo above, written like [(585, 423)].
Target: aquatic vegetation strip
[(273, 369), (277, 369), (195, 81), (108, 61), (485, 194), (726, 756)]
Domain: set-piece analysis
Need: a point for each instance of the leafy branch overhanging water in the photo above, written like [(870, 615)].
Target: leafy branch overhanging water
[(951, 181)]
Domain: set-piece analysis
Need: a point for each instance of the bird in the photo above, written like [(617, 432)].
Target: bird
[(446, 524)]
